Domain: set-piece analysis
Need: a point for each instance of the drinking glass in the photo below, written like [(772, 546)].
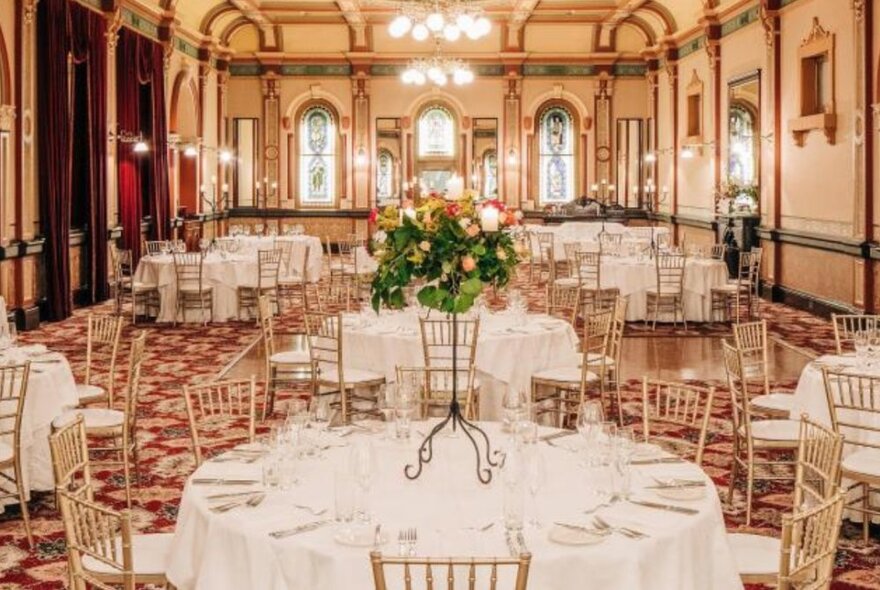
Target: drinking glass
[(607, 441), (287, 464), (513, 492), (386, 403), (588, 420), (362, 464), (12, 334), (873, 348), (860, 342), (536, 472), (403, 411), (4, 336), (271, 471), (343, 496), (516, 407), (626, 441)]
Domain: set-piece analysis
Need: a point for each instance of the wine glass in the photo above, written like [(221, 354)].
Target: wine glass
[(362, 465), (873, 347), (860, 343), (386, 403), (12, 334), (515, 404), (588, 420), (321, 414), (536, 474)]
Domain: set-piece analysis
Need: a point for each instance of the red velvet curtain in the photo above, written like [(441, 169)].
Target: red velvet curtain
[(141, 62), (53, 135), (89, 48)]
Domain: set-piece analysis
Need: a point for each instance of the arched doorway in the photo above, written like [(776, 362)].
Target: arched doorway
[(185, 180)]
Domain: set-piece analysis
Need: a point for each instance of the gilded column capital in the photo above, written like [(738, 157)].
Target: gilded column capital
[(114, 25), (859, 9), (7, 117), (29, 11)]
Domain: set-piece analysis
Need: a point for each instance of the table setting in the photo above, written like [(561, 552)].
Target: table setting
[(251, 245), (583, 506)]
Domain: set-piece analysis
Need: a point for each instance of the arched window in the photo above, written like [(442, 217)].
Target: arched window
[(556, 156), (385, 176), (743, 157), (490, 174), (436, 133), (317, 157)]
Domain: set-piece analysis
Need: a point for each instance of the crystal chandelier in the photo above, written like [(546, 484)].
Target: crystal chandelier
[(438, 70), (443, 19)]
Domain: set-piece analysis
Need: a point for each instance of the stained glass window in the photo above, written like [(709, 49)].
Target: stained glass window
[(490, 174), (742, 159), (385, 176), (317, 157), (556, 156), (436, 133)]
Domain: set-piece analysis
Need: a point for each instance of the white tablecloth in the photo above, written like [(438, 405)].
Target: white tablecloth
[(224, 272), (586, 234), (634, 277), (509, 350), (233, 550), (51, 390), (252, 244)]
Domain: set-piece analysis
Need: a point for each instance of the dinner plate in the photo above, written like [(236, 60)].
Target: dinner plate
[(361, 538), (646, 451), (684, 493), (566, 536)]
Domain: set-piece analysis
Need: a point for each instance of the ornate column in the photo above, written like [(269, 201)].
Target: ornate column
[(771, 117), (603, 122), (204, 172), (114, 24), (223, 168), (512, 158), (361, 158), (271, 129), (651, 77), (713, 52), (863, 148), (671, 67), (7, 150)]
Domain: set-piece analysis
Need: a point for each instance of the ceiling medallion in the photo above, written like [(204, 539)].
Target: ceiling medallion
[(438, 70), (442, 19)]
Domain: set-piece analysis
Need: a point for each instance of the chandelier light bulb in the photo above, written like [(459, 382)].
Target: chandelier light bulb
[(420, 32), (435, 22), (482, 26), (434, 73), (464, 21), (442, 79), (407, 77), (472, 33), (687, 153), (451, 32), (400, 26), (419, 78)]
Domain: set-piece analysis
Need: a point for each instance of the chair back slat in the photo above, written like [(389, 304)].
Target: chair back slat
[(854, 406), (268, 265), (668, 405), (220, 413), (589, 269), (809, 545), (439, 341), (670, 273), (484, 573), (434, 386), (818, 464), (563, 302), (846, 326), (102, 343), (70, 459), (13, 391)]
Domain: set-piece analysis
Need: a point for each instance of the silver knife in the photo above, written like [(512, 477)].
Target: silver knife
[(657, 461), (668, 507), (677, 486), (303, 528), (556, 435)]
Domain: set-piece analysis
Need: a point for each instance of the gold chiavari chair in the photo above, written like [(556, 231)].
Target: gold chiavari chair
[(268, 265), (667, 296), (104, 552), (718, 251), (259, 229), (440, 342), (156, 247), (435, 388), (281, 367), (330, 375), (141, 294), (70, 459), (334, 295), (757, 260), (117, 429), (609, 241), (13, 391), (846, 326), (854, 405), (102, 341), (575, 378), (751, 343), (192, 292), (756, 443), (563, 302), (292, 280), (565, 273), (485, 570), (220, 414), (614, 353), (589, 273), (817, 481), (542, 259), (670, 407), (737, 294)]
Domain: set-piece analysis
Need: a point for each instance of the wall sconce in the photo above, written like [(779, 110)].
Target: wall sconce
[(225, 156), (687, 153), (140, 147), (361, 157), (512, 158), (190, 151), (650, 158)]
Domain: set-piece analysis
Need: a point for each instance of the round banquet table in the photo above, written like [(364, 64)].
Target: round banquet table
[(223, 271), (448, 507), (634, 276), (51, 390), (510, 349), (250, 245)]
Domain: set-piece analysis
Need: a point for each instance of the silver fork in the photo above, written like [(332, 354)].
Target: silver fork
[(626, 532), (252, 502), (414, 537), (310, 510)]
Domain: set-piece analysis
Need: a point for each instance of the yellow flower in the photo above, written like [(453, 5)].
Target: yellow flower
[(501, 254), (425, 246)]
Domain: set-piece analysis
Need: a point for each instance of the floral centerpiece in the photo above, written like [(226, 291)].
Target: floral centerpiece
[(736, 197), (455, 248)]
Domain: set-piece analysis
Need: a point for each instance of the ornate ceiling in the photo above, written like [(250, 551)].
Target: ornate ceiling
[(251, 26)]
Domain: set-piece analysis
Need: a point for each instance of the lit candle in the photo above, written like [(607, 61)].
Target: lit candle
[(636, 189), (214, 180), (274, 186), (595, 188), (454, 187), (410, 212), (489, 219), (258, 185), (612, 188), (202, 188), (225, 188)]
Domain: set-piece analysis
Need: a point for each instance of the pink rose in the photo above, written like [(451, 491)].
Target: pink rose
[(468, 264), (472, 230)]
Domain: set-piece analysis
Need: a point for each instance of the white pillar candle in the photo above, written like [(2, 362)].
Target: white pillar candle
[(410, 212), (489, 219)]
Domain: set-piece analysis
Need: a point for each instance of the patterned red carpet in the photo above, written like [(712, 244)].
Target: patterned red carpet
[(179, 355)]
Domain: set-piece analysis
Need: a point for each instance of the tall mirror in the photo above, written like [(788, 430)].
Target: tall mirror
[(484, 167), (630, 158), (743, 130), (388, 158)]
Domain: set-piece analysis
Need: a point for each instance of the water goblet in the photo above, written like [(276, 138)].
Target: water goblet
[(536, 471), (362, 464)]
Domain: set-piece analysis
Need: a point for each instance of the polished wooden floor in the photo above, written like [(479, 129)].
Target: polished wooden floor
[(668, 358)]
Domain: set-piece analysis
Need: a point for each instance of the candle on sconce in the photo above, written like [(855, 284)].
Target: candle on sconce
[(258, 185), (611, 188), (225, 188), (214, 180), (202, 189), (489, 219), (274, 186)]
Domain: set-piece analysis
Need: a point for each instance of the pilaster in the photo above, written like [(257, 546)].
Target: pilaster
[(271, 126)]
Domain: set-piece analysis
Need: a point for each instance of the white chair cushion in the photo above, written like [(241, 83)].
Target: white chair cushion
[(755, 554), (780, 402), (5, 452), (149, 552), (666, 292), (866, 461), (139, 286), (354, 376), (728, 288), (93, 418), (776, 430), (567, 374), (567, 282), (189, 289), (595, 357), (291, 357), (85, 392)]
